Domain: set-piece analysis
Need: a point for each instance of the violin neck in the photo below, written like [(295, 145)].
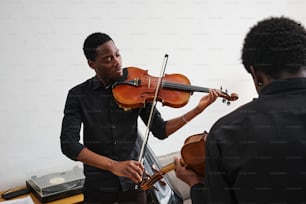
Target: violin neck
[(171, 166), (184, 87), (167, 168)]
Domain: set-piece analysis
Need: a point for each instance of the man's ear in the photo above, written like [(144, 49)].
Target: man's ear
[(260, 78), (91, 64), (256, 76)]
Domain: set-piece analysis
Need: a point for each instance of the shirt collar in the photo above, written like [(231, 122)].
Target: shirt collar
[(96, 84), (284, 85)]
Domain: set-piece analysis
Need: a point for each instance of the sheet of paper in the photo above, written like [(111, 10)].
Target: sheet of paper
[(25, 200)]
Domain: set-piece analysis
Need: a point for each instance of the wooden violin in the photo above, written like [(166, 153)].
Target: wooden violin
[(192, 157), (139, 87)]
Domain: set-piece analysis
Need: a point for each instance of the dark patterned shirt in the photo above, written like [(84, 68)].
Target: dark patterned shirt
[(107, 130)]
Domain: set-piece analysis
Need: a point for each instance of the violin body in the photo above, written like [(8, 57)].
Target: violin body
[(193, 153), (139, 88)]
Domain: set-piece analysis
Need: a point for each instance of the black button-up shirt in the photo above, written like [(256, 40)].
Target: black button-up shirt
[(107, 130), (257, 154)]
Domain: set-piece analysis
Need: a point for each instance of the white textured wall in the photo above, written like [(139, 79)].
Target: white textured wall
[(41, 58)]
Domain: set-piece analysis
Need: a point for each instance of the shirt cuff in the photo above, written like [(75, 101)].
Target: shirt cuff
[(197, 193)]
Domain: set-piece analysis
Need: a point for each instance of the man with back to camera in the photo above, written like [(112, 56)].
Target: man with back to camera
[(257, 153)]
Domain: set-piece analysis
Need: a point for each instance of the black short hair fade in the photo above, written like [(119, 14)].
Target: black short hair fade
[(92, 42), (275, 44)]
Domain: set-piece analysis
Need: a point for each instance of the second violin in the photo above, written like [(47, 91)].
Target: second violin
[(193, 157)]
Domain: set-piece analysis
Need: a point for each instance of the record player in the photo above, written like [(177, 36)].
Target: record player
[(53, 186)]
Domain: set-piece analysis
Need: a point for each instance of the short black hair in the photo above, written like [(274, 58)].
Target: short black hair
[(92, 42), (275, 44)]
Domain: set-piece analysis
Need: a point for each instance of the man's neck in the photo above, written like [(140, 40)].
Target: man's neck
[(288, 75), (104, 82)]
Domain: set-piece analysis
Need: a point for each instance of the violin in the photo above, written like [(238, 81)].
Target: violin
[(139, 87), (192, 157)]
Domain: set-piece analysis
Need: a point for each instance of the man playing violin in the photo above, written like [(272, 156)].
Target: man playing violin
[(257, 154), (109, 149)]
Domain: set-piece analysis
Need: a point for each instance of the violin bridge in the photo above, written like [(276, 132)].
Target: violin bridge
[(149, 82), (136, 82)]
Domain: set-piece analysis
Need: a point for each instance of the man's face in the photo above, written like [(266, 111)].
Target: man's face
[(108, 63)]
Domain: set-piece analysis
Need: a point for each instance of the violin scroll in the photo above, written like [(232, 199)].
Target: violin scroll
[(226, 97), (149, 182)]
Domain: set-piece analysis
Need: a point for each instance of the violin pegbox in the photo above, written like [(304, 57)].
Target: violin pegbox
[(226, 98), (149, 180)]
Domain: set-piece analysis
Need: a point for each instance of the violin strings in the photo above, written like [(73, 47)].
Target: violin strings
[(174, 85)]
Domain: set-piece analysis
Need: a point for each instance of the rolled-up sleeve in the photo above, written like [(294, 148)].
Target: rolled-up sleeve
[(71, 126)]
